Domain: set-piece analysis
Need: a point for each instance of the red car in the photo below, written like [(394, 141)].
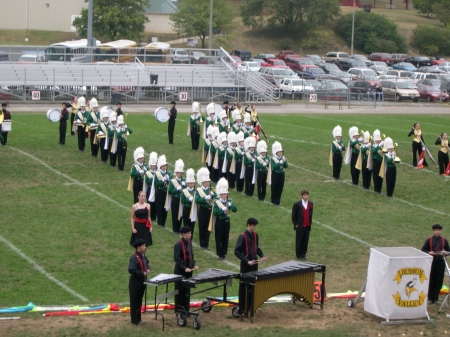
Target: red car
[(237, 61), (285, 53), (431, 94), (273, 63), (437, 60), (384, 57)]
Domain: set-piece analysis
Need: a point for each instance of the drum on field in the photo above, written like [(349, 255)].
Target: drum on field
[(109, 111), (53, 115), (218, 109), (162, 114), (6, 126)]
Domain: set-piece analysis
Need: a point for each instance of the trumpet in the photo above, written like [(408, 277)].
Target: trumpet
[(396, 159)]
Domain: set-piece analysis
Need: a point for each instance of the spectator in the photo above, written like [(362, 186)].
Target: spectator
[(379, 91)]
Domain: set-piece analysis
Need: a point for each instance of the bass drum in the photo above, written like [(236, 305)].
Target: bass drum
[(162, 114), (109, 111), (53, 115), (218, 109), (6, 126)]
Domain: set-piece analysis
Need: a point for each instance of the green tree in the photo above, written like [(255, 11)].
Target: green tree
[(114, 19), (431, 40), (424, 6), (291, 15), (441, 10), (193, 17)]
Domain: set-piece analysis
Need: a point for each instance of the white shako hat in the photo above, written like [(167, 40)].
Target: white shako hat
[(190, 176), (337, 131), (210, 109), (353, 131), (231, 137), (216, 132), (236, 115), (222, 137), (161, 161), (247, 118), (261, 146), (203, 175), (240, 137), (210, 130), (113, 118), (120, 120), (153, 159), (249, 142), (94, 103), (222, 186), (276, 147), (104, 114), (179, 166), (223, 114), (81, 101), (138, 153), (366, 136), (388, 143), (376, 135), (195, 107)]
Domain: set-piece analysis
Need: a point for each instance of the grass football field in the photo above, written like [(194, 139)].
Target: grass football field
[(65, 228)]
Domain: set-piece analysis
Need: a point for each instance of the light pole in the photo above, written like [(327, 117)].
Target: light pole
[(353, 28), (210, 25), (90, 42)]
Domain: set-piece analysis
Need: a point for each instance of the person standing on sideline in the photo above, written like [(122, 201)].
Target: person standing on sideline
[(247, 250), (138, 268), (337, 147), (119, 111), (63, 117), (74, 106), (141, 226), (173, 116), (278, 166), (302, 213), (417, 144), (436, 246), (377, 157), (442, 141), (391, 168)]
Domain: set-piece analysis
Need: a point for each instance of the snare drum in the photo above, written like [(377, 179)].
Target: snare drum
[(162, 114), (53, 115), (6, 126)]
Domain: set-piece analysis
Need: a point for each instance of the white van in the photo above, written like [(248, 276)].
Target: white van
[(31, 58)]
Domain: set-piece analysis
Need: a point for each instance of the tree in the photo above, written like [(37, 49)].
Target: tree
[(424, 6), (442, 12), (114, 19), (291, 15), (193, 17)]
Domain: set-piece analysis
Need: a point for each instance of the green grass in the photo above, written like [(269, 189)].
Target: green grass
[(81, 238)]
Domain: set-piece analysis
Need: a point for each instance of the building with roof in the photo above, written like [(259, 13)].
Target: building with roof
[(159, 15)]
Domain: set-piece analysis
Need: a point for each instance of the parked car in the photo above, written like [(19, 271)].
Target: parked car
[(431, 94), (404, 66), (204, 60), (379, 69), (437, 60), (244, 55), (400, 90), (430, 82), (399, 57), (274, 63), (361, 90), (384, 57), (445, 68), (327, 77), (359, 57), (316, 59), (265, 56), (346, 64), (399, 73), (179, 56), (295, 87), (259, 61), (416, 77), (274, 75), (314, 83), (4, 57), (377, 63), (332, 88), (311, 73), (284, 53), (430, 69), (330, 68), (305, 63), (31, 58), (236, 59), (344, 77), (364, 71), (419, 61), (195, 55), (373, 80), (387, 77), (249, 66), (334, 57), (292, 63)]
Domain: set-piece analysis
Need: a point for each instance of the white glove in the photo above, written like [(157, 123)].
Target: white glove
[(208, 197), (381, 144), (393, 154), (264, 164), (224, 209), (183, 183), (229, 203), (368, 145), (166, 177), (191, 198), (281, 161), (253, 160), (144, 168), (179, 188), (340, 147), (360, 139), (211, 192), (424, 148), (141, 172)]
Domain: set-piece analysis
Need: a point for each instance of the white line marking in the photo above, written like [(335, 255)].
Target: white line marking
[(76, 182), (42, 270), (67, 184)]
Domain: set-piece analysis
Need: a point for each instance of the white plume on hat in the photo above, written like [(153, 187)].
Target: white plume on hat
[(388, 143), (210, 130), (236, 115), (210, 109), (276, 147), (153, 158), (113, 118), (195, 107), (120, 120), (179, 165), (353, 131), (249, 142), (366, 136), (104, 114), (247, 118), (203, 175), (138, 153), (231, 137), (81, 101), (223, 114), (222, 137), (376, 135), (94, 103), (337, 131), (240, 137), (261, 146), (222, 186), (190, 176), (215, 132), (161, 161)]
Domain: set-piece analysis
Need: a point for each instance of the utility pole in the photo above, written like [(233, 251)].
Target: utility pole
[(353, 28), (210, 25), (90, 41)]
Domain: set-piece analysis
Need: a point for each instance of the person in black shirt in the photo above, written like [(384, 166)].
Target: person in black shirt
[(138, 268), (436, 246), (64, 116), (184, 266), (247, 250), (173, 116), (119, 111)]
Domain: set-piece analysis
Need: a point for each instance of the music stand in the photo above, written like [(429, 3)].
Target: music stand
[(445, 302)]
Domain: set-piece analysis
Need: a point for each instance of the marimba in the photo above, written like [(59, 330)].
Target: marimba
[(292, 277)]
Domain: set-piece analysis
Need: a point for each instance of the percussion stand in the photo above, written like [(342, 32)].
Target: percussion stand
[(445, 302), (352, 302)]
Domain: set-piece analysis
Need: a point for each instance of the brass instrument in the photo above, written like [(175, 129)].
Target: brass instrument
[(101, 135), (383, 149), (2, 117), (396, 159), (125, 118)]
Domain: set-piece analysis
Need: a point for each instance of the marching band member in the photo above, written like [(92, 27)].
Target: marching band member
[(102, 134), (224, 124), (212, 118), (261, 169), (355, 148), (187, 199), (112, 139), (253, 114), (249, 162), (136, 181), (204, 197), (119, 111), (63, 117), (223, 142), (443, 153), (149, 186), (176, 185), (80, 123), (278, 166), (141, 225), (194, 122), (88, 105), (206, 156), (93, 121), (248, 128), (213, 158), (367, 162), (377, 156), (391, 168), (221, 211), (237, 125), (239, 158), (172, 118), (161, 180), (337, 146), (230, 165), (121, 134), (417, 144), (74, 109)]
